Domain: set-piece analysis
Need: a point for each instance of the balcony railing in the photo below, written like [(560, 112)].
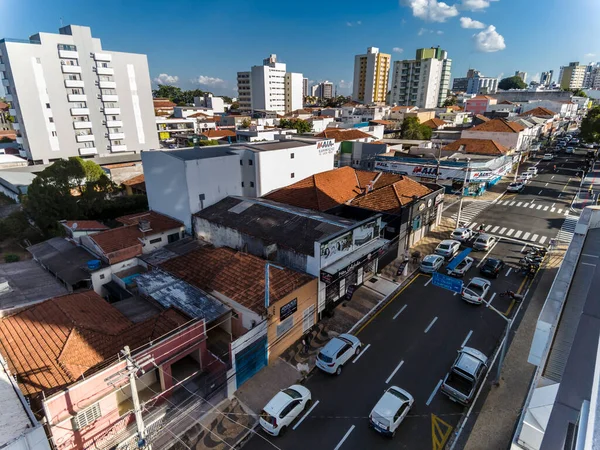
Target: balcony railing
[(107, 85), (77, 98), (5, 82), (112, 111), (71, 69), (88, 151), (74, 83), (118, 148), (103, 57), (114, 136), (80, 111), (68, 54), (80, 124), (114, 123), (105, 71), (110, 98), (85, 138)]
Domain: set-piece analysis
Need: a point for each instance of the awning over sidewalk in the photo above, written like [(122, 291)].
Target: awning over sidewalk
[(355, 259)]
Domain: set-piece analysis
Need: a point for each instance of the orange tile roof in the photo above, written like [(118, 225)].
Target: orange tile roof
[(477, 146), (340, 134), (506, 102), (11, 134), (499, 126), (119, 165), (218, 133), (84, 225), (239, 276), (402, 108), (159, 223), (479, 97), (163, 103), (383, 122), (455, 108), (54, 343), (135, 180), (3, 106), (391, 197), (434, 123), (198, 114), (539, 111)]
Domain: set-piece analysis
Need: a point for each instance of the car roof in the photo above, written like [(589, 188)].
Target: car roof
[(479, 281), (449, 242), (492, 261), (431, 258), (483, 237), (460, 230), (332, 347), (277, 403), (467, 362), (389, 403)]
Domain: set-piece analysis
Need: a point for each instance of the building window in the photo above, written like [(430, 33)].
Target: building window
[(38, 60), (242, 184), (102, 276), (87, 416), (250, 162), (173, 237), (156, 241), (292, 175), (285, 326), (51, 119), (54, 133), (291, 156), (241, 162), (48, 105), (252, 184)]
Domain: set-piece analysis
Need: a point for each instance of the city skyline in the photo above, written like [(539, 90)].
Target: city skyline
[(489, 36)]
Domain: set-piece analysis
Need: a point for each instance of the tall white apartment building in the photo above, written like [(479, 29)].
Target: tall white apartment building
[(423, 81), (482, 85), (269, 87), (371, 76), (572, 76), (69, 97), (323, 90), (591, 78)]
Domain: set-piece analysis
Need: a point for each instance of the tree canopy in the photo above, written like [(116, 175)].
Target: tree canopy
[(513, 82), (590, 125), (413, 129), (177, 95), (450, 101), (336, 102), (578, 93), (301, 126)]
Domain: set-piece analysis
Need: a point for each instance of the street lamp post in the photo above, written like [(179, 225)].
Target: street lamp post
[(505, 343), (462, 193), (517, 169), (439, 158)]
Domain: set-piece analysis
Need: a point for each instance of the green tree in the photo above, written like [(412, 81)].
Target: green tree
[(578, 93), (166, 91), (450, 101), (336, 102), (245, 123), (514, 82), (590, 125), (206, 143), (412, 129), (6, 140), (301, 126), (227, 99), (235, 105)]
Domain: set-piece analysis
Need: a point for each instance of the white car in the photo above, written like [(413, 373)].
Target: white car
[(515, 187), (337, 352), (569, 150), (548, 157), (462, 267), (431, 263), (588, 145), (476, 290), (447, 248), (533, 171), (462, 234), (390, 411), (281, 411)]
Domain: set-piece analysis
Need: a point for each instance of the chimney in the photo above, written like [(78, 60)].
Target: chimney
[(144, 225)]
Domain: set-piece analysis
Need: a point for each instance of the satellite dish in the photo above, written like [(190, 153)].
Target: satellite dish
[(74, 226)]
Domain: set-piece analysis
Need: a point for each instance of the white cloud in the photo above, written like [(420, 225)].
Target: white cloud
[(353, 24), (431, 10), (475, 5), (164, 78), (489, 40), (589, 55), (467, 22), (343, 84), (208, 81), (397, 50), (422, 31), (439, 32)]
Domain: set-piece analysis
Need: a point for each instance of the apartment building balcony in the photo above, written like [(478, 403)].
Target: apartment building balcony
[(105, 71), (85, 138), (112, 111), (74, 83), (5, 82), (114, 123), (19, 139), (11, 111), (118, 148), (80, 111), (114, 136), (71, 69), (107, 85), (103, 57), (110, 98), (70, 54), (8, 97), (16, 126), (2, 67), (88, 151), (82, 125), (77, 97)]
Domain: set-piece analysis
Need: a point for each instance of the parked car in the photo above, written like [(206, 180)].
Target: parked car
[(574, 141), (562, 143), (337, 352), (483, 242), (533, 171), (282, 409), (431, 263), (526, 176), (462, 267), (460, 384), (476, 290), (447, 248), (548, 157), (492, 267), (462, 234), (570, 150), (588, 145), (515, 187), (390, 410)]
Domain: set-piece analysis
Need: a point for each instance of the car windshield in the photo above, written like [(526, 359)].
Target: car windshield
[(491, 264), (268, 418), (427, 263), (482, 241), (459, 383), (325, 358), (443, 246), (462, 264), (398, 394), (292, 393), (475, 289)]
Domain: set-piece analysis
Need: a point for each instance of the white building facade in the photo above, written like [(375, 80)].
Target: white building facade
[(482, 85), (69, 97)]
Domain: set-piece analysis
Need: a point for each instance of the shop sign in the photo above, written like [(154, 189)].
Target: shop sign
[(328, 278), (288, 309), (439, 198), (326, 147), (426, 172), (348, 242), (421, 206), (350, 292), (401, 268)]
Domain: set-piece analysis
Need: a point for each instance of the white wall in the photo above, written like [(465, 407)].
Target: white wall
[(164, 240), (293, 91)]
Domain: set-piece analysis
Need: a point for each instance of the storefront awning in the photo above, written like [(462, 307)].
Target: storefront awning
[(359, 256)]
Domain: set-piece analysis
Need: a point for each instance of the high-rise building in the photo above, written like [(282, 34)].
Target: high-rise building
[(270, 88), (423, 81), (462, 83), (371, 72), (475, 83), (323, 90), (70, 97), (304, 87), (546, 78), (521, 75), (572, 76), (592, 73)]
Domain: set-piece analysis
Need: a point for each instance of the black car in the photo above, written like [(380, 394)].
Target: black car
[(492, 267)]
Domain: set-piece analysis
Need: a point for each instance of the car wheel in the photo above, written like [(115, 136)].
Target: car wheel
[(393, 435), (357, 350), (282, 431), (339, 370), (308, 403)]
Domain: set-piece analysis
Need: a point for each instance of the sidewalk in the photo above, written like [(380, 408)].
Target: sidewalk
[(499, 414)]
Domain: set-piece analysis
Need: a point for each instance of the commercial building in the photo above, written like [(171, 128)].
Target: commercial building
[(546, 78), (371, 72), (479, 104), (70, 97), (423, 81), (323, 90), (460, 84), (216, 104), (572, 76), (509, 134), (180, 183), (270, 87)]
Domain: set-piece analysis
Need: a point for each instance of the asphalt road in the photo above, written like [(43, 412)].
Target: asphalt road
[(412, 342)]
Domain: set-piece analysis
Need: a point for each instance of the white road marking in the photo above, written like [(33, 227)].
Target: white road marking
[(502, 230), (539, 207), (560, 211), (546, 184), (559, 195), (566, 212), (589, 256), (541, 190), (534, 237), (542, 239), (533, 200), (532, 206), (305, 415), (488, 227), (518, 233), (588, 264), (492, 298), (434, 392), (519, 204), (552, 177), (361, 353), (506, 202), (398, 313), (553, 209), (473, 225), (456, 293), (508, 271), (524, 247), (431, 324), (337, 447), (429, 281), (466, 339), (545, 208), (511, 203), (510, 232), (553, 205), (526, 235), (394, 372), (495, 228), (525, 205)]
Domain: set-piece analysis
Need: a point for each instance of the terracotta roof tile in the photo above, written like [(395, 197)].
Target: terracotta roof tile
[(482, 97), (499, 126), (482, 117), (134, 180), (163, 103), (383, 122), (11, 134), (539, 111), (4, 106), (477, 146), (239, 276), (402, 108), (434, 123), (158, 222), (84, 225), (340, 134), (119, 244), (391, 197), (455, 108), (218, 133), (119, 165)]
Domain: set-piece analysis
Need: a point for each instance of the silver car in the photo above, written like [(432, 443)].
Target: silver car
[(447, 248), (431, 263), (483, 242), (476, 290), (462, 267)]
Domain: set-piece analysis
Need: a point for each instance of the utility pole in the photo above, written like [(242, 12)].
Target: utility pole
[(462, 193), (517, 169), (439, 157), (505, 343), (268, 283)]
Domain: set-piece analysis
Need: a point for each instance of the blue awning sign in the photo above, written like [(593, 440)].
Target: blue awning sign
[(458, 259)]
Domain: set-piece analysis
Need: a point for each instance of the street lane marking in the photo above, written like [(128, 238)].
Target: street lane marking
[(553, 205), (552, 177), (510, 232), (508, 271), (398, 313), (518, 233), (589, 256), (495, 228), (525, 205), (519, 204), (546, 184), (506, 202), (588, 264), (539, 207), (502, 230), (542, 239), (526, 235), (394, 372), (560, 211), (567, 212), (533, 200), (512, 203), (429, 281), (545, 208), (541, 190), (337, 447), (361, 353), (534, 237), (524, 247), (440, 432), (553, 209), (431, 324), (305, 415), (492, 298), (473, 225), (488, 227), (437, 386), (531, 206), (466, 339)]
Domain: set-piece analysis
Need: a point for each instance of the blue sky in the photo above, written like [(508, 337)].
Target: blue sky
[(204, 43)]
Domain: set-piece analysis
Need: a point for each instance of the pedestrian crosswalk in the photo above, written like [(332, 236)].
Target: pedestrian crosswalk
[(568, 229), (472, 210), (531, 204)]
